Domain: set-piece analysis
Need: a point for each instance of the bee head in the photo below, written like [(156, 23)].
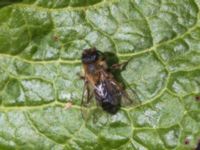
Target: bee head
[(90, 55)]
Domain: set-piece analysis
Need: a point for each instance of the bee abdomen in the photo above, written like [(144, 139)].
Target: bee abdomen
[(110, 108), (109, 99)]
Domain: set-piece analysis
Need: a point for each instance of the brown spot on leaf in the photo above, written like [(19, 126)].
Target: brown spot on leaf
[(187, 141), (68, 105), (197, 98), (55, 37)]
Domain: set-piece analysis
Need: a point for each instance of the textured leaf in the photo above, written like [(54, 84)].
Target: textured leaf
[(41, 42)]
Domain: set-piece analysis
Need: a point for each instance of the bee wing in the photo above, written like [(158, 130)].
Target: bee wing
[(124, 97), (106, 93), (128, 95), (127, 98)]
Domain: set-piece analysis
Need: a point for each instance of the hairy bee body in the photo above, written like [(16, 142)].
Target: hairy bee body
[(106, 89)]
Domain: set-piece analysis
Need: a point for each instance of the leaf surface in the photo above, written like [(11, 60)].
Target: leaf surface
[(40, 47)]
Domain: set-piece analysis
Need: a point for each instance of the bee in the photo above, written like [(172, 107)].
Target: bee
[(98, 77)]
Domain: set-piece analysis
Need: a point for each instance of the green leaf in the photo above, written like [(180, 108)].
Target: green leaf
[(41, 42)]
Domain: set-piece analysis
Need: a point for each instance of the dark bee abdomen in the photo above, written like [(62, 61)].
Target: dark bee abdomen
[(108, 96)]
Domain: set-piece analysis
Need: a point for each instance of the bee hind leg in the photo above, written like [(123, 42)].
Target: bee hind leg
[(89, 95), (85, 100)]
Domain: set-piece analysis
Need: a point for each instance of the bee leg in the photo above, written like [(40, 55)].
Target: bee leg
[(83, 95), (80, 76), (89, 95), (120, 66), (86, 98), (84, 89)]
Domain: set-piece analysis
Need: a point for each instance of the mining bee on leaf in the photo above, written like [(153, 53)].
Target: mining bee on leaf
[(100, 82)]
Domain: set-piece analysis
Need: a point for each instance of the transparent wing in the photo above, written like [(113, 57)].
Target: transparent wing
[(129, 96)]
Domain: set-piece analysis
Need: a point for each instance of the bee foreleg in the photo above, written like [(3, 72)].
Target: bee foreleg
[(80, 76), (120, 66)]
